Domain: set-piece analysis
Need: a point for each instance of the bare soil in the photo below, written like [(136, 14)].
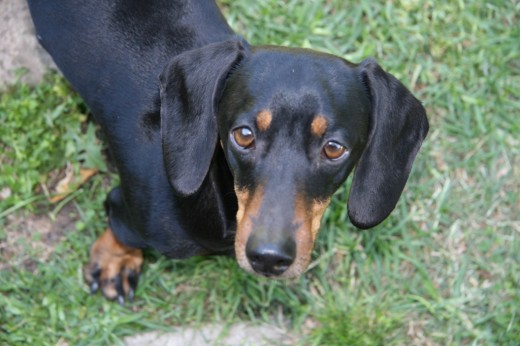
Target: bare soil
[(31, 238)]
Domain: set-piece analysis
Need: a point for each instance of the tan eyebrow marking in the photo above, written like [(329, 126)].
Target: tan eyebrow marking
[(263, 120), (319, 125)]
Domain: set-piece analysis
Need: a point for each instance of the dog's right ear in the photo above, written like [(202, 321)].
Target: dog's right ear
[(191, 86), (398, 126)]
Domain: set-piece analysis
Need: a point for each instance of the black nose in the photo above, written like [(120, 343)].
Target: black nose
[(270, 259)]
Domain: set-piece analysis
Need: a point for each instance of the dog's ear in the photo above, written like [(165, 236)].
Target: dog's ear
[(191, 86), (398, 125)]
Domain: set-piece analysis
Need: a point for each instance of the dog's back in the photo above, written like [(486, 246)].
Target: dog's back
[(113, 52), (101, 46)]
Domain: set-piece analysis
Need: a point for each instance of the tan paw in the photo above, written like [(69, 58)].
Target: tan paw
[(113, 267)]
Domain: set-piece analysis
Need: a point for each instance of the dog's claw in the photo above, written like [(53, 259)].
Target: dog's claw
[(131, 295), (121, 300), (133, 278), (119, 288), (94, 286)]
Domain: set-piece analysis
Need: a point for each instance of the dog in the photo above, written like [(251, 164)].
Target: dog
[(221, 145)]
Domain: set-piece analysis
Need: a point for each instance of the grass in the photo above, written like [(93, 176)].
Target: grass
[(444, 269)]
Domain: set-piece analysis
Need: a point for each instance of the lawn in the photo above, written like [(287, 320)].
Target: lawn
[(443, 269)]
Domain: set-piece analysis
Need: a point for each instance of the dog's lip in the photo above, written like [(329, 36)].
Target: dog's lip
[(289, 274), (267, 275)]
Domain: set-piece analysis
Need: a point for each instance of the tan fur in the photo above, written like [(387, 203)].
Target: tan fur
[(308, 218), (319, 126), (307, 215), (248, 206), (263, 120), (113, 258)]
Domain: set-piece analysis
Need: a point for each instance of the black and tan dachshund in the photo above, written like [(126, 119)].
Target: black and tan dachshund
[(220, 144)]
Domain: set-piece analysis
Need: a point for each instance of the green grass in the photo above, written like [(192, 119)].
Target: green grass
[(444, 269)]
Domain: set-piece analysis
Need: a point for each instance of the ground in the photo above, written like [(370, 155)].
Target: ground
[(19, 47), (443, 269), (30, 234)]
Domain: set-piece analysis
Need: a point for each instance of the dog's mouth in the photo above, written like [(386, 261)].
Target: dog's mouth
[(275, 252)]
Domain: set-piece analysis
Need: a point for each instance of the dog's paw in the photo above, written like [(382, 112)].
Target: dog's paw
[(113, 268)]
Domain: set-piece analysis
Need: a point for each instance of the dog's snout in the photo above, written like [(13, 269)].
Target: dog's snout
[(270, 259)]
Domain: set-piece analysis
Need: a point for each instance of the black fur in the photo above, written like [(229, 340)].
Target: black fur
[(177, 181), (398, 126)]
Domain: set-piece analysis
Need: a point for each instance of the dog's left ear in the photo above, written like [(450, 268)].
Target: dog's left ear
[(398, 125), (191, 86)]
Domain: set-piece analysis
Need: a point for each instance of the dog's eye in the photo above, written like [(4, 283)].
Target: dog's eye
[(334, 150), (244, 137)]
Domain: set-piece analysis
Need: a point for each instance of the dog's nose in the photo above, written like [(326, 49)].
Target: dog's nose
[(270, 259)]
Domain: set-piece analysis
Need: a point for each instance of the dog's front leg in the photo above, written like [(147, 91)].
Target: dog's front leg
[(113, 267)]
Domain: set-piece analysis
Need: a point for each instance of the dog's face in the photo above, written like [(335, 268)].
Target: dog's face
[(293, 124)]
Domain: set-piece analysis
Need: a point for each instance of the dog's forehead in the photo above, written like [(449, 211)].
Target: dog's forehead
[(292, 67), (294, 85), (288, 75)]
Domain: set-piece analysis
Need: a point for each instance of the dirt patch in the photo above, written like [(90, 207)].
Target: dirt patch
[(30, 238)]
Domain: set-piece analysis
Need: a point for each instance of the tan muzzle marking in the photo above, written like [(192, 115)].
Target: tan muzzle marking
[(248, 207), (307, 217)]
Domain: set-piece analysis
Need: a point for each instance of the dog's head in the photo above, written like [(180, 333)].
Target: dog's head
[(293, 124)]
